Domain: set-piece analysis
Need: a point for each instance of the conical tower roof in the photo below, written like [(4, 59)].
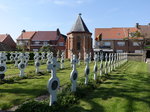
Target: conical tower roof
[(79, 25)]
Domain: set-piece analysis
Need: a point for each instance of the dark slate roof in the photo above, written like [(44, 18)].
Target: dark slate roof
[(79, 25)]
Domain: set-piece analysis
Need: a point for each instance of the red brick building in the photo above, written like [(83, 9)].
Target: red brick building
[(79, 39), (116, 40), (34, 40), (7, 43)]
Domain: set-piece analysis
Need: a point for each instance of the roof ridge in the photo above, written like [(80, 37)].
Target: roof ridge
[(79, 25)]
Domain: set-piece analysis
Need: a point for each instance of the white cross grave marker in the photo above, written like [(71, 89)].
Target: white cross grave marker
[(53, 83), (3, 67), (106, 63), (87, 70), (101, 64), (62, 60), (22, 65), (74, 74), (95, 67)]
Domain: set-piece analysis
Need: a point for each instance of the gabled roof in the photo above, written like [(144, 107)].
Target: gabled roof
[(3, 37), (114, 33), (79, 26), (26, 35), (45, 36)]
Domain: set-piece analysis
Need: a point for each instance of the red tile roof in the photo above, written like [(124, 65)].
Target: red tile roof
[(45, 36), (3, 37), (26, 35), (114, 33)]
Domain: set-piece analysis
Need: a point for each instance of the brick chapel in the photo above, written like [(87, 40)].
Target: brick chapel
[(79, 39)]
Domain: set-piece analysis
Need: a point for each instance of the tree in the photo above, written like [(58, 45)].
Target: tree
[(48, 48), (139, 38)]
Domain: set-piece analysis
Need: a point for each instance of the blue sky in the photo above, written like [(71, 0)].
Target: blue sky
[(46, 15)]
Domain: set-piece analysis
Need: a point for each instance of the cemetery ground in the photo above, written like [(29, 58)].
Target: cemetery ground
[(126, 89)]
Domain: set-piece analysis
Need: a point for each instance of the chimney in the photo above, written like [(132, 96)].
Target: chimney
[(58, 32), (137, 25), (23, 31)]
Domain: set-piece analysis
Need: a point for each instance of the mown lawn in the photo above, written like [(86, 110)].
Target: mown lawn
[(127, 90), (19, 91)]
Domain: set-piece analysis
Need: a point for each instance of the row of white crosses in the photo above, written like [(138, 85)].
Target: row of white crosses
[(3, 67), (53, 83)]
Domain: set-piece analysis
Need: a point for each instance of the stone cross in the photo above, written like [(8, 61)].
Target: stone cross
[(62, 60), (90, 57), (53, 83), (74, 74), (95, 67), (16, 59), (106, 63), (112, 61), (27, 57), (3, 67), (37, 62), (71, 58), (43, 57), (87, 70), (11, 56), (109, 63), (101, 64), (115, 58), (58, 52), (49, 62), (79, 58), (22, 65)]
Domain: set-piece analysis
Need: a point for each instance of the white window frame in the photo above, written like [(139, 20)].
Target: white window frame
[(107, 43), (35, 50), (136, 43), (138, 51), (119, 51), (121, 43), (61, 43)]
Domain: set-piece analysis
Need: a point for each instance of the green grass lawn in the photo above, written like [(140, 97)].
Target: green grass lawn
[(127, 90), (15, 93)]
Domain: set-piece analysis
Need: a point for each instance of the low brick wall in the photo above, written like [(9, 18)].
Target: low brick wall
[(136, 57)]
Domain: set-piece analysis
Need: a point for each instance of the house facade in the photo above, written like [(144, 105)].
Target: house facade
[(79, 39), (145, 32), (116, 40), (33, 41), (7, 43)]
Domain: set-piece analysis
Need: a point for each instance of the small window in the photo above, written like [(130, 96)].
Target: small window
[(36, 42), (121, 43), (35, 50), (119, 51), (136, 43), (61, 43), (78, 45), (107, 43), (45, 43), (138, 51)]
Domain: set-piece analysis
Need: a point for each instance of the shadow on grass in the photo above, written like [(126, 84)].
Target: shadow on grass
[(134, 87), (94, 108)]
